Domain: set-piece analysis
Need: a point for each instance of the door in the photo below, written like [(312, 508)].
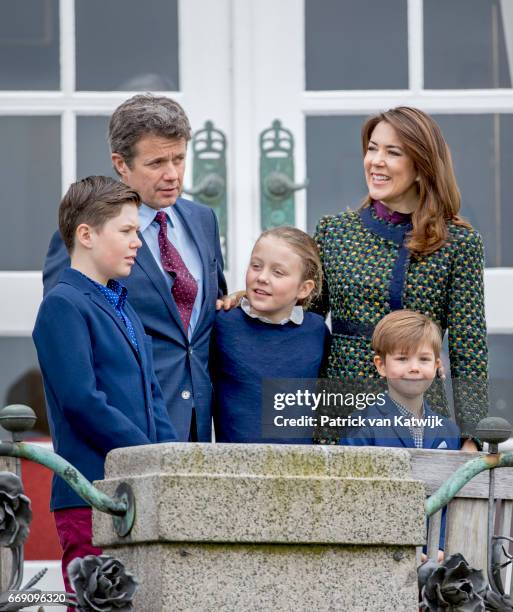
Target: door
[(65, 65), (322, 67)]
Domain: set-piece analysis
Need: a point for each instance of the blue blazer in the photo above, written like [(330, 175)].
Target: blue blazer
[(181, 366), (101, 391), (444, 437)]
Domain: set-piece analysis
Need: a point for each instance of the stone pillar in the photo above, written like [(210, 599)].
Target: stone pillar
[(268, 527)]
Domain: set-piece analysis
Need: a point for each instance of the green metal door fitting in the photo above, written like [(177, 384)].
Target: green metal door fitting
[(277, 187), (209, 175)]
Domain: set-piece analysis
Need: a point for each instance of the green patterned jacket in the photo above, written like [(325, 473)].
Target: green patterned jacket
[(369, 272)]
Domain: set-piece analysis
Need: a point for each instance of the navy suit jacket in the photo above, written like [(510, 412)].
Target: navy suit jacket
[(445, 436), (101, 392), (181, 366)]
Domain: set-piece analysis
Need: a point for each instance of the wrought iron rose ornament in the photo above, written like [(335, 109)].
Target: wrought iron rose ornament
[(102, 584), (15, 512), (454, 585)]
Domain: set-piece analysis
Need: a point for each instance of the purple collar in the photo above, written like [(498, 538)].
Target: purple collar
[(392, 216)]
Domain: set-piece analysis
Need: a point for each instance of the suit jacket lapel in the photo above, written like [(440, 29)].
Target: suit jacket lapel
[(433, 437), (80, 282), (402, 432), (146, 261), (100, 301)]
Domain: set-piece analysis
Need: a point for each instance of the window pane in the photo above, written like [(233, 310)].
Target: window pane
[(29, 44), (334, 166), (468, 44), (127, 45), (482, 150), (345, 43), (20, 380), (500, 349), (30, 175), (93, 154)]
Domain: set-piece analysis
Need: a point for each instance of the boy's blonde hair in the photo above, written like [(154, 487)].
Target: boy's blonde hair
[(405, 331), (303, 245)]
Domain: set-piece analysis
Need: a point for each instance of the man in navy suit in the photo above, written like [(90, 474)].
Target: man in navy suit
[(96, 360), (148, 138)]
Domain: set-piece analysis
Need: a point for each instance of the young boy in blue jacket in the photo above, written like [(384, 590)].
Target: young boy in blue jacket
[(95, 358), (406, 347)]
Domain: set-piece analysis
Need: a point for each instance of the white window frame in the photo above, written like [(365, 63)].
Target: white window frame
[(247, 74), (292, 104), (199, 50)]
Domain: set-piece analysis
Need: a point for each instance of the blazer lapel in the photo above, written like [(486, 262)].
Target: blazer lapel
[(81, 283), (146, 261), (100, 301), (141, 342), (402, 432), (433, 437)]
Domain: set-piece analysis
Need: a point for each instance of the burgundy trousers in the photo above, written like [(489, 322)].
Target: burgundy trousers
[(75, 530)]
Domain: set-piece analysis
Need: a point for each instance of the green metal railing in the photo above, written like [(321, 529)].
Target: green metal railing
[(463, 475), (17, 419), (492, 430)]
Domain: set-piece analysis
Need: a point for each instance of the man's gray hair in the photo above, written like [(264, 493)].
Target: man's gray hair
[(144, 115)]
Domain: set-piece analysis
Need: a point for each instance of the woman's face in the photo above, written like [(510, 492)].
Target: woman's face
[(389, 171)]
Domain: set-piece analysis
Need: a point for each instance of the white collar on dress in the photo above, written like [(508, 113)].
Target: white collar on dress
[(296, 316)]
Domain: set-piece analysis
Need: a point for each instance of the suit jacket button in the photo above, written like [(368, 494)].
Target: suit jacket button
[(186, 395), (190, 350)]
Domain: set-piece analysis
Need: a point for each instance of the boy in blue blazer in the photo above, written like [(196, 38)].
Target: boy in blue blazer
[(406, 347), (95, 358)]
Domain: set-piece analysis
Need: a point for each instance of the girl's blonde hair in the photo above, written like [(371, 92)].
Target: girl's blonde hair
[(303, 245)]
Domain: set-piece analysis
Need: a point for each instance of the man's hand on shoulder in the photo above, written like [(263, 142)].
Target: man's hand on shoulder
[(227, 302)]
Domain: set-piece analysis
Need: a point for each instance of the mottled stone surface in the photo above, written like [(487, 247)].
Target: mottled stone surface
[(215, 577), (293, 494), (259, 460), (268, 527), (281, 509)]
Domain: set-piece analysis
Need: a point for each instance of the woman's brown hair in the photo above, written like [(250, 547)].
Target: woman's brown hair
[(439, 196)]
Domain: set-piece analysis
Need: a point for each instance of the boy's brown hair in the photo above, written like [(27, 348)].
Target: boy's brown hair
[(94, 201), (303, 245), (405, 331)]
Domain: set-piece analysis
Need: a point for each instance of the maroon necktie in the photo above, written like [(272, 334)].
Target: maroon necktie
[(184, 288)]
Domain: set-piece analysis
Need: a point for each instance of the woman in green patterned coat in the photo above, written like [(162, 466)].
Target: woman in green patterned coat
[(407, 247)]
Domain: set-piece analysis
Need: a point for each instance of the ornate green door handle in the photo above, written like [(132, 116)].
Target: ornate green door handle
[(209, 175), (277, 186), (210, 187)]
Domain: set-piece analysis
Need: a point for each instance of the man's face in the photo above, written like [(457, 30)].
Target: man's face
[(156, 170)]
